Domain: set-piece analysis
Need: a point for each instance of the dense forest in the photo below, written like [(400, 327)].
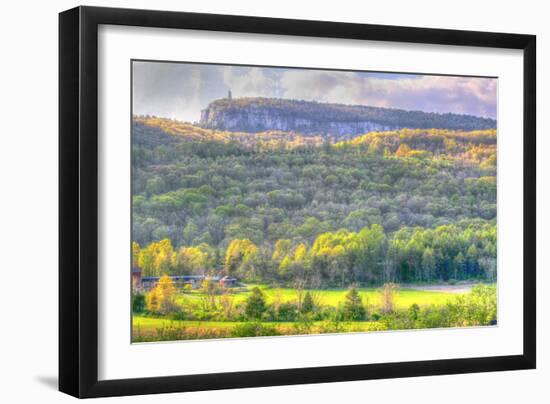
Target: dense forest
[(284, 207)]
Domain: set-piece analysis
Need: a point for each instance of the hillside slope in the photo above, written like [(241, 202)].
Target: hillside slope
[(204, 186), (477, 147)]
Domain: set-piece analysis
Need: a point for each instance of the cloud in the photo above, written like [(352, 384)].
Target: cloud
[(463, 95), (166, 89), (250, 81), (181, 90)]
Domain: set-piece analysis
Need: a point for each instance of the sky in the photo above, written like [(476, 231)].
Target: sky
[(182, 90)]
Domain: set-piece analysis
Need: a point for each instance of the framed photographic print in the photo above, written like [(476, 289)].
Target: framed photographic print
[(251, 201)]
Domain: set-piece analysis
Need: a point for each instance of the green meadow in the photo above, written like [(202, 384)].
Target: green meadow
[(404, 298), (207, 316)]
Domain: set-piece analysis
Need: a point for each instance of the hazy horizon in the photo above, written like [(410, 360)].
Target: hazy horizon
[(181, 90)]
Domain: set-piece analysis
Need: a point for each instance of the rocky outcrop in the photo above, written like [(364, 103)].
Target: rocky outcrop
[(264, 114)]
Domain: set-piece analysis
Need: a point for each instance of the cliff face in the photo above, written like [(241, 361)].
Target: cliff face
[(263, 114), (258, 119)]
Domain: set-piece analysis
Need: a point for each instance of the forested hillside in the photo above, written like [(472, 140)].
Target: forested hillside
[(403, 205)]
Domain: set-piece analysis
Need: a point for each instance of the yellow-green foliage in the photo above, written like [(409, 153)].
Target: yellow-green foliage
[(240, 255), (162, 298), (477, 146), (272, 139)]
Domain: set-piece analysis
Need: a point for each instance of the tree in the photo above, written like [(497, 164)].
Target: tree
[(163, 256), (403, 150), (353, 309), (190, 232), (300, 263), (459, 265), (240, 257), (370, 245), (146, 262), (161, 299), (156, 258), (138, 302), (387, 295), (285, 267), (210, 289), (153, 301), (190, 260), (155, 185), (307, 305), (472, 256), (136, 250), (428, 263), (281, 249), (255, 305)]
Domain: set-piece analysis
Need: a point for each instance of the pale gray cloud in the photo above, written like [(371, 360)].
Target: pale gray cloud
[(181, 90), (464, 95), (165, 89), (249, 81)]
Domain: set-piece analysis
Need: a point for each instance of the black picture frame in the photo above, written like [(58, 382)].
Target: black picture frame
[(78, 201)]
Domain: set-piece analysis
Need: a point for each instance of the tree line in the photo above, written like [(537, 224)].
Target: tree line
[(465, 250)]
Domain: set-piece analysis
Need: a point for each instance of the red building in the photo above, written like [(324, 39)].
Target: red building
[(136, 278), (228, 282)]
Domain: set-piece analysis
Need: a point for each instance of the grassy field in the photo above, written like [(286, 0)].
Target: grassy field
[(404, 298), (148, 328)]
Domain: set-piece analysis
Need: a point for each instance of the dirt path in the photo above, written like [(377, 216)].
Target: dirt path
[(460, 288)]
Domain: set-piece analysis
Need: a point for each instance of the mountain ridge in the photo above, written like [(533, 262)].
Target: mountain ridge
[(257, 114)]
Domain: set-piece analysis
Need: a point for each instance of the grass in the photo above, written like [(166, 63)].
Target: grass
[(154, 322), (404, 298), (148, 326)]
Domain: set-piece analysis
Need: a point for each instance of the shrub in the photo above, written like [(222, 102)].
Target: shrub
[(255, 304), (304, 324), (175, 331), (331, 326), (206, 333), (479, 307), (180, 316), (434, 317), (353, 308), (287, 311), (397, 320), (138, 302), (227, 305), (254, 330), (372, 326), (307, 305), (170, 332), (413, 311)]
